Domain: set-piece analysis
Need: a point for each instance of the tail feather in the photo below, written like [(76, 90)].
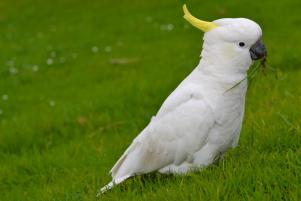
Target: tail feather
[(122, 170), (112, 184), (122, 159), (105, 188), (116, 167)]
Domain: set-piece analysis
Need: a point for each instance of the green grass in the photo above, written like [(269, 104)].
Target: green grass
[(62, 126)]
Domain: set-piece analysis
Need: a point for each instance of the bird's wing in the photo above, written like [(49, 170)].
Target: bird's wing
[(171, 138), (182, 94)]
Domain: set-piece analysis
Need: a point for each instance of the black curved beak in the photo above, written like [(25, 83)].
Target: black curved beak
[(258, 50)]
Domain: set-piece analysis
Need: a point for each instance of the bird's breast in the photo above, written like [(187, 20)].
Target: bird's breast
[(228, 109)]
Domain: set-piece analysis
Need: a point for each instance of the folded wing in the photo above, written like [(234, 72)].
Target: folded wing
[(180, 129)]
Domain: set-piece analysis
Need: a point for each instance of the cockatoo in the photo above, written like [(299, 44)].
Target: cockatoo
[(201, 119)]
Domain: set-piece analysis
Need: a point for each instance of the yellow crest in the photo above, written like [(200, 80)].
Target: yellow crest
[(200, 24)]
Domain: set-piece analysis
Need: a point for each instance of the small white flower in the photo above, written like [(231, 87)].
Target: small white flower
[(170, 27), (108, 49), (52, 103), (5, 97), (94, 49), (49, 61), (13, 70), (167, 27), (35, 68)]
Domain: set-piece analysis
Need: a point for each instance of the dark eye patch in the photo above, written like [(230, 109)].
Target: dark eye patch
[(241, 44)]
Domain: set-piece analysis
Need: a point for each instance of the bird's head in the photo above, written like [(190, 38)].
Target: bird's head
[(234, 42)]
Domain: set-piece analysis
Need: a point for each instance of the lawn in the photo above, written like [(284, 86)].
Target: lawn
[(79, 80)]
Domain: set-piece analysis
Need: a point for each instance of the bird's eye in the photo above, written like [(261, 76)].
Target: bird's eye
[(241, 44)]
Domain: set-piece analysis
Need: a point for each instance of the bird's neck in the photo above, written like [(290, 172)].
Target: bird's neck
[(221, 80), (223, 70)]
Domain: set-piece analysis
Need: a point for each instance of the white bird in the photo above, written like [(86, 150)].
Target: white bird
[(201, 118)]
